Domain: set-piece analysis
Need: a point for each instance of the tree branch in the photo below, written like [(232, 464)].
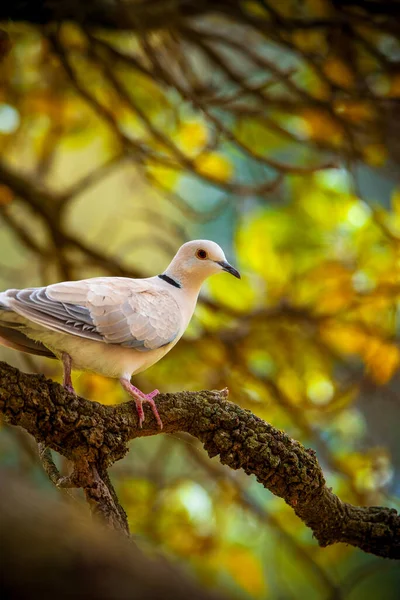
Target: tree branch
[(96, 485), (94, 436), (145, 15)]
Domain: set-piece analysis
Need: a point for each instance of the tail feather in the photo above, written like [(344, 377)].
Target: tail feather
[(12, 336)]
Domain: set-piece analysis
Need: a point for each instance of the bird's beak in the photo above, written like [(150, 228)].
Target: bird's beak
[(228, 268)]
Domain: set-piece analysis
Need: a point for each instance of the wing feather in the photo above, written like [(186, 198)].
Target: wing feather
[(132, 313)]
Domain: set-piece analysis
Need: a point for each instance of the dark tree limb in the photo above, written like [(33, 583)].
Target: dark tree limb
[(154, 14), (114, 14), (94, 436), (96, 484)]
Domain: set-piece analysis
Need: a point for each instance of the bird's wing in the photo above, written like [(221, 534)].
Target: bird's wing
[(128, 312)]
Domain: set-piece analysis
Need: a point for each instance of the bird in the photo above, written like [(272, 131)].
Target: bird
[(114, 326)]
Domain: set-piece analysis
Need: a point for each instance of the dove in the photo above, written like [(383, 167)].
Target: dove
[(114, 326)]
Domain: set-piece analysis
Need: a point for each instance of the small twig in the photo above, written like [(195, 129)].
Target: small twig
[(96, 485), (49, 465)]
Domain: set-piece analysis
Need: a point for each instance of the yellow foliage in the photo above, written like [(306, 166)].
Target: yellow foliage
[(382, 359), (99, 388), (73, 36), (317, 86), (255, 8), (370, 471), (258, 135), (331, 284), (256, 246), (245, 568), (6, 195), (288, 519), (137, 496), (375, 154), (344, 337), (338, 405), (321, 126), (395, 199), (211, 319), (334, 554), (192, 136), (291, 384), (185, 541), (320, 390), (318, 8), (309, 41), (163, 176), (214, 354), (394, 86), (355, 110), (338, 72), (214, 165), (46, 102), (238, 295)]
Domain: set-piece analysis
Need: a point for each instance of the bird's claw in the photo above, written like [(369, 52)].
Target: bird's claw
[(150, 399), (141, 397), (140, 412), (139, 406), (70, 389)]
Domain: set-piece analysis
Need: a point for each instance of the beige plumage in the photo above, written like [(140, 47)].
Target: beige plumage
[(111, 325)]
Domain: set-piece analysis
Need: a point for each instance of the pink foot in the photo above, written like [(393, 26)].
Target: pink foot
[(70, 389), (139, 398), (67, 381)]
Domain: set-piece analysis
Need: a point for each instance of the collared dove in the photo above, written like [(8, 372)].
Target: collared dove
[(114, 326)]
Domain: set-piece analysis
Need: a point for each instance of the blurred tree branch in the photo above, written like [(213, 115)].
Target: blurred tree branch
[(94, 436), (48, 550), (153, 14), (218, 58), (228, 40)]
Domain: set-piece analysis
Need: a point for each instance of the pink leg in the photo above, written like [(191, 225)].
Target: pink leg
[(139, 397), (67, 381)]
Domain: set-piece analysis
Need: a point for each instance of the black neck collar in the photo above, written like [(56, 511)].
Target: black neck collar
[(169, 280)]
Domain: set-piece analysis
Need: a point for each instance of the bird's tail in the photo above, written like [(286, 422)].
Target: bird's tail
[(11, 331)]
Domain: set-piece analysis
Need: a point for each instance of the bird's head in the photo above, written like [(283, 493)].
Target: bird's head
[(197, 260)]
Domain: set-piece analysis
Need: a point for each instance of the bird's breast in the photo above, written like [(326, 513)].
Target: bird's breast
[(110, 360)]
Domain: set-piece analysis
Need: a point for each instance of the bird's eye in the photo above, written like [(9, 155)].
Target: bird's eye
[(201, 254)]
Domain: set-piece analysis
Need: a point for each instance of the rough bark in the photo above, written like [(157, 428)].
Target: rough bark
[(94, 436)]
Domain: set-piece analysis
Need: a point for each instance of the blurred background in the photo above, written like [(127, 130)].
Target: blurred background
[(128, 128)]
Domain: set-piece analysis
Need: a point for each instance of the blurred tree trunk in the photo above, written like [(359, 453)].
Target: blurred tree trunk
[(48, 550)]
